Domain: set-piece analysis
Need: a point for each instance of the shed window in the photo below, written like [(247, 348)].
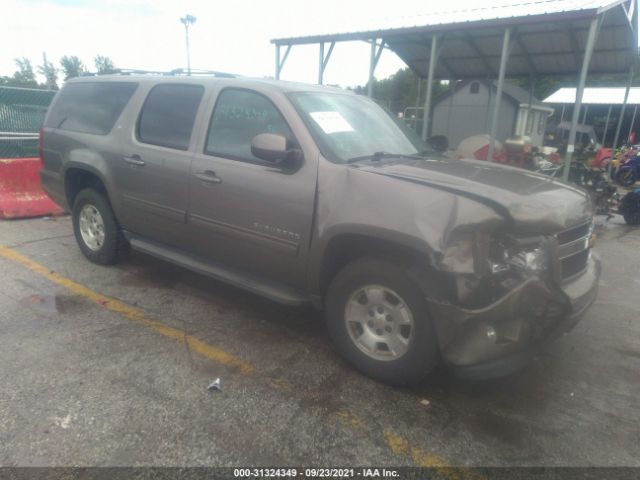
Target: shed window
[(475, 87), (541, 123), (529, 126)]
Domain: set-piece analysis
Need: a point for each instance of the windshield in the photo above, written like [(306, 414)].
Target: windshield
[(351, 127)]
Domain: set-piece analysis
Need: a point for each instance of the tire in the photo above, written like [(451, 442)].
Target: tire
[(625, 177), (104, 248), (342, 300), (630, 208), (632, 218)]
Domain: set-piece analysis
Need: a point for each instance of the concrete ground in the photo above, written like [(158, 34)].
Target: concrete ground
[(110, 366)]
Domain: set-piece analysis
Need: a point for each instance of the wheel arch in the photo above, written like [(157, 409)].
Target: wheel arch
[(80, 176), (344, 248)]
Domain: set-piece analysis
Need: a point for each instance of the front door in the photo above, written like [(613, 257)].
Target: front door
[(153, 174), (243, 211)]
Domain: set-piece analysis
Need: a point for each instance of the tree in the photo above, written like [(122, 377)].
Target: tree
[(50, 73), (24, 77), (400, 90), (104, 64), (71, 66)]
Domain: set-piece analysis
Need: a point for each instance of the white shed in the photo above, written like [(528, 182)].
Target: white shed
[(466, 111)]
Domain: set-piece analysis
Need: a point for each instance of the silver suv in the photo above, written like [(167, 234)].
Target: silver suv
[(314, 195)]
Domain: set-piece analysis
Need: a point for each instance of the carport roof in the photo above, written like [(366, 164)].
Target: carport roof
[(595, 96), (550, 38)]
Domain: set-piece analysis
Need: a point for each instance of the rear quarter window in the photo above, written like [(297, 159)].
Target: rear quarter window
[(91, 107)]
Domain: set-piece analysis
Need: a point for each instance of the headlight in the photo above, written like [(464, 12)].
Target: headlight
[(533, 261), (530, 258)]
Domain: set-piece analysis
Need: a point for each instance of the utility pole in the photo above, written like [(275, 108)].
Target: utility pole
[(187, 21)]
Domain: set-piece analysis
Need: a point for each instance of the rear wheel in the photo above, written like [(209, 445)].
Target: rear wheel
[(379, 321), (95, 228)]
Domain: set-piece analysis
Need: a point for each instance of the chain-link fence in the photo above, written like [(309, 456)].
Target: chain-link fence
[(22, 111)]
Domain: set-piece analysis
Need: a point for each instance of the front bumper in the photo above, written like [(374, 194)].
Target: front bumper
[(501, 338)]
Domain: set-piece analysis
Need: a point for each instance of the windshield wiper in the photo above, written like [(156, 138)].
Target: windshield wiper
[(377, 156), (374, 157), (424, 154)]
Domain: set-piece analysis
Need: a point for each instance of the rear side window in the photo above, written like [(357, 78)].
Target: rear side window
[(168, 115), (240, 115), (91, 107)]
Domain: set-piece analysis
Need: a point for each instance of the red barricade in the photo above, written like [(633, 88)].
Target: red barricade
[(21, 194)]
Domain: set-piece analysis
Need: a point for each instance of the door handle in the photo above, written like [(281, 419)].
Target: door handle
[(208, 176), (135, 160)]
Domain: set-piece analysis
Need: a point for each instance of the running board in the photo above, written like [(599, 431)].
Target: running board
[(275, 291)]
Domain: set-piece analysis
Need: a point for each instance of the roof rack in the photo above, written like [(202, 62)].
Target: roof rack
[(174, 72), (215, 73)]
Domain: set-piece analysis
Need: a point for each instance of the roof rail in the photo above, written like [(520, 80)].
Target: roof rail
[(135, 71), (174, 72), (195, 71)]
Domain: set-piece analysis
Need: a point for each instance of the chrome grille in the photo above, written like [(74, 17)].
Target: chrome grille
[(573, 249)]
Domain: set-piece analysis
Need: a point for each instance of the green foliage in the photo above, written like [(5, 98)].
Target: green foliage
[(104, 65), (24, 77), (72, 66), (543, 86), (400, 90), (50, 73)]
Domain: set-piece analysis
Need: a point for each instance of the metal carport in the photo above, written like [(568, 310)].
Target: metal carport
[(545, 37)]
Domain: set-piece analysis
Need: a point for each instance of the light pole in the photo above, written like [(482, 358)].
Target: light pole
[(188, 20)]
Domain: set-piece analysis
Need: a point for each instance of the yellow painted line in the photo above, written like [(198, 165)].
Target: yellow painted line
[(396, 443), (132, 313), (400, 446), (349, 419)]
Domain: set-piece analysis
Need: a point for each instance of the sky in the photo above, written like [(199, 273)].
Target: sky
[(229, 35)]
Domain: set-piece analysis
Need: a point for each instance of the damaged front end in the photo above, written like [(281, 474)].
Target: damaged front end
[(510, 293)]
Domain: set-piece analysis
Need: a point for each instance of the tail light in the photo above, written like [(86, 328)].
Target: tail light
[(41, 145)]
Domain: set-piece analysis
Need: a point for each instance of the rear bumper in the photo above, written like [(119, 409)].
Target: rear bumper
[(501, 338)]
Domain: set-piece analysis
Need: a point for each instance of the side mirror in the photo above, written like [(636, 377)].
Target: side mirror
[(270, 147)]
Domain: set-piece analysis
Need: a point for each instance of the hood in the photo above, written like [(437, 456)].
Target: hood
[(533, 203)]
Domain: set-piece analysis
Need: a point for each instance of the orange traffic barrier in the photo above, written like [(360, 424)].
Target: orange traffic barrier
[(21, 194)]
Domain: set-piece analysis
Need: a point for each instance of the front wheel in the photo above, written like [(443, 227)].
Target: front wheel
[(625, 177), (379, 321), (96, 229)]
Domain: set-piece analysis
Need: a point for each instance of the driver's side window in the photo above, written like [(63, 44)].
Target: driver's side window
[(240, 115)]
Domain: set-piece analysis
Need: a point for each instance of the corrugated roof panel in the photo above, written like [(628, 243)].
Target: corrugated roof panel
[(595, 96), (471, 40), (496, 11)]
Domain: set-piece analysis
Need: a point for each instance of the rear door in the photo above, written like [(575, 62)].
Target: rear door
[(244, 211), (153, 171)]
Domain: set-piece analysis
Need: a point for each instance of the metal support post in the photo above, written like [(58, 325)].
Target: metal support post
[(419, 87), (606, 126), (624, 106), (496, 106), (324, 60), (591, 41), (375, 56), (280, 63), (633, 120), (433, 58)]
